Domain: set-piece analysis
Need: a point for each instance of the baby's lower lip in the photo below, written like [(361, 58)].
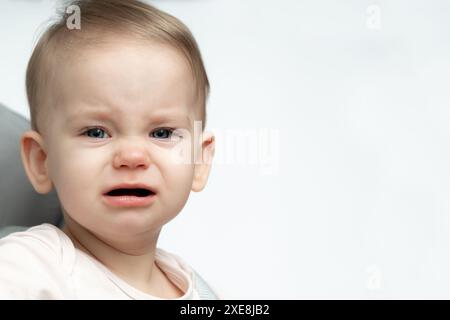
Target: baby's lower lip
[(129, 200)]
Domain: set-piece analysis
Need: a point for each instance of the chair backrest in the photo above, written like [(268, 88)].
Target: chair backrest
[(20, 204)]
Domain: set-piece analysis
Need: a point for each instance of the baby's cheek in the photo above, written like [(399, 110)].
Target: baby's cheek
[(183, 152), (76, 173), (78, 186), (179, 182)]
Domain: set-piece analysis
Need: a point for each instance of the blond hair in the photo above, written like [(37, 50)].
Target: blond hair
[(101, 17)]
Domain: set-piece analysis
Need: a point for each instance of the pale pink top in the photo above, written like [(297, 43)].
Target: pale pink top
[(42, 263)]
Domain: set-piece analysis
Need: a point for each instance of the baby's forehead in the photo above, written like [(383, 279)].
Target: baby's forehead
[(128, 75), (96, 49), (123, 59)]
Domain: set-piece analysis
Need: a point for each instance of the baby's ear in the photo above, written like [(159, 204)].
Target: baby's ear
[(34, 161), (203, 164)]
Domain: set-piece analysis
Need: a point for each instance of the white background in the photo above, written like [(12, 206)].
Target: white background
[(349, 198)]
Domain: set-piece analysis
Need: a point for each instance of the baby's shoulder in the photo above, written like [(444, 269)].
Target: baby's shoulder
[(41, 241), (32, 263)]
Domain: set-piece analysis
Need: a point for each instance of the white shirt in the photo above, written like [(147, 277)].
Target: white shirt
[(42, 263)]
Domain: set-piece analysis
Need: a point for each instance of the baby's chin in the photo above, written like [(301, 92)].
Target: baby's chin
[(130, 223)]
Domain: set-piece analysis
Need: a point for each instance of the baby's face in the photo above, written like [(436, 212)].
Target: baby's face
[(111, 126)]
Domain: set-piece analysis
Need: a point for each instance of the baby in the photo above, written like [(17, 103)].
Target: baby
[(118, 116)]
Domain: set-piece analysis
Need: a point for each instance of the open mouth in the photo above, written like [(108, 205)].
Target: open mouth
[(137, 192)]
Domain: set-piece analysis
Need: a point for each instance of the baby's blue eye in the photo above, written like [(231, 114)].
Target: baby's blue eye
[(95, 133), (163, 133)]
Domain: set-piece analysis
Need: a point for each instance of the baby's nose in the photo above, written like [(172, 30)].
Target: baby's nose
[(132, 157)]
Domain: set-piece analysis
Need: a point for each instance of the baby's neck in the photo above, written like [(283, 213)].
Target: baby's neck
[(135, 265)]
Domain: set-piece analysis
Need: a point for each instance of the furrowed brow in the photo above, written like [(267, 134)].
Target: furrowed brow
[(97, 114), (107, 114)]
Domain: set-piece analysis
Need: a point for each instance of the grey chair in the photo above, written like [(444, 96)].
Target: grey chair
[(20, 205)]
